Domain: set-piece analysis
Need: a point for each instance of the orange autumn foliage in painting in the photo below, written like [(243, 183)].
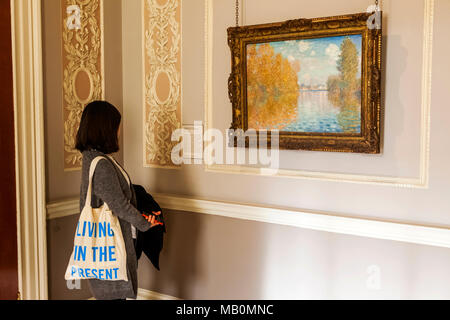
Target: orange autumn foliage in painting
[(272, 88)]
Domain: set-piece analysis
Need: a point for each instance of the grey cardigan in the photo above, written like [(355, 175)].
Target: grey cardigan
[(110, 186)]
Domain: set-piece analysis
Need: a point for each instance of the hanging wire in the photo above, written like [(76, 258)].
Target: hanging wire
[(237, 13), (375, 7)]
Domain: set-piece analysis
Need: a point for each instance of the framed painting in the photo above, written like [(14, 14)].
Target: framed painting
[(317, 81)]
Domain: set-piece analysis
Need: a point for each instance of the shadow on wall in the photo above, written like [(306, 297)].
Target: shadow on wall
[(179, 261), (183, 265), (209, 257), (392, 43), (204, 256), (396, 106), (60, 233)]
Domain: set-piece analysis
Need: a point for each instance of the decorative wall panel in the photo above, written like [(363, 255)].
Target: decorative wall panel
[(83, 79), (393, 180), (162, 79)]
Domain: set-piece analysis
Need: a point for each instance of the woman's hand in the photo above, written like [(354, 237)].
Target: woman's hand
[(152, 219)]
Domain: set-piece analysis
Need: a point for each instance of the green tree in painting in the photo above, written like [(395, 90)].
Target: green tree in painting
[(272, 88), (347, 65), (344, 90)]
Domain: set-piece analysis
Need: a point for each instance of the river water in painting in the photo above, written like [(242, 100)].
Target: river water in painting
[(317, 114)]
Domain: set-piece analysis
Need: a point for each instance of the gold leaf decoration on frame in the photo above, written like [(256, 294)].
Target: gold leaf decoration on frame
[(162, 79), (82, 64)]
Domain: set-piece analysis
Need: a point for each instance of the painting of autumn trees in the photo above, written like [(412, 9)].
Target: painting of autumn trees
[(307, 85), (272, 86), (316, 81)]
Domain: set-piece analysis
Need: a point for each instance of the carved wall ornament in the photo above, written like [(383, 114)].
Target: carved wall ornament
[(83, 79), (162, 79)]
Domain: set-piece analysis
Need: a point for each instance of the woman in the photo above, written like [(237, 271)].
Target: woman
[(98, 135)]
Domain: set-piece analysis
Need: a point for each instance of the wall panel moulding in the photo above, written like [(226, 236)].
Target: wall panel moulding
[(83, 70), (162, 79)]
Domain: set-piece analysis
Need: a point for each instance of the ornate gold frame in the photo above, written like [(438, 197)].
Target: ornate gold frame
[(368, 141)]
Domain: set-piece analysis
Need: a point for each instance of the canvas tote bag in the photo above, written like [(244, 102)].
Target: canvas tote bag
[(99, 249)]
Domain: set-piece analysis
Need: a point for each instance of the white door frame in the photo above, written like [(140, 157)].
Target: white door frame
[(30, 148)]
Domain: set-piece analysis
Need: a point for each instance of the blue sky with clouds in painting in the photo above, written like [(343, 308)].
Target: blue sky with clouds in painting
[(318, 57)]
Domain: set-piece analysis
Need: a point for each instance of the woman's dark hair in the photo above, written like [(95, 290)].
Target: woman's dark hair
[(98, 128)]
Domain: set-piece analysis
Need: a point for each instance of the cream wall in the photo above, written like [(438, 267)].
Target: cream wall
[(403, 82), (229, 258), (208, 257), (211, 257)]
